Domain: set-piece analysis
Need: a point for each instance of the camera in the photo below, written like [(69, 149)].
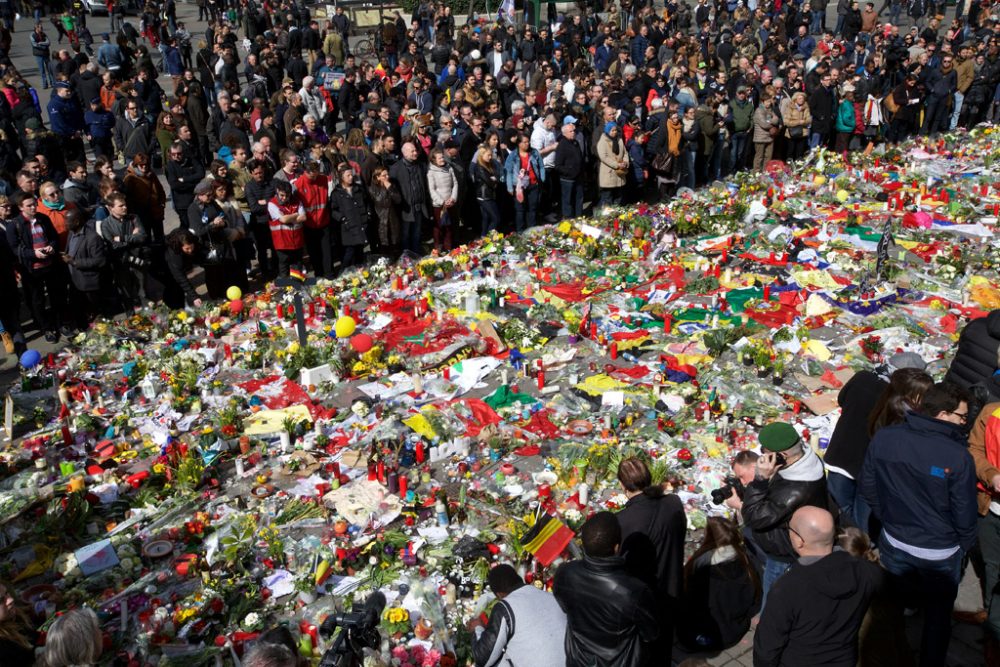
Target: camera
[(358, 630), (732, 484)]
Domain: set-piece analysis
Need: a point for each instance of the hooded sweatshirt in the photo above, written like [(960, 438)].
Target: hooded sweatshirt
[(814, 612)]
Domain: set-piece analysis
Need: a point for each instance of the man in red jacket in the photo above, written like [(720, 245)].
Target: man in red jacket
[(287, 217), (313, 189)]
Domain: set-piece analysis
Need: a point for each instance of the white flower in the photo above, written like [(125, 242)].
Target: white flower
[(252, 619)]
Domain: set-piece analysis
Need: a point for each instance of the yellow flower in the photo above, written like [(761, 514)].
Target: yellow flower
[(159, 468)]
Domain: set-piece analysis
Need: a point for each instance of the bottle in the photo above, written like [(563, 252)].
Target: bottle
[(442, 512)]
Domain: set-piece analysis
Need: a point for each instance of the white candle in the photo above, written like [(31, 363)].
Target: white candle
[(584, 493), (286, 442)]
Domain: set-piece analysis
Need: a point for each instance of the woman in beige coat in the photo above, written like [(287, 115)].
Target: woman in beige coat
[(614, 165), (797, 118), (443, 187), (765, 122)]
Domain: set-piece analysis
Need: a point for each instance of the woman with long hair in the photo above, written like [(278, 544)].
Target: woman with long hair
[(867, 404), (721, 589), (386, 199), (74, 640), (486, 177), (17, 638)]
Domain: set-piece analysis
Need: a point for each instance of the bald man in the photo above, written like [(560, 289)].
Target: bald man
[(814, 611)]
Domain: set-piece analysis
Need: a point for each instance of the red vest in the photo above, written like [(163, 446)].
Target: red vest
[(314, 196), (286, 235)]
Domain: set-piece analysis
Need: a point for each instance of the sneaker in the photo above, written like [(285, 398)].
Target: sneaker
[(67, 331), (8, 342), (52, 336)]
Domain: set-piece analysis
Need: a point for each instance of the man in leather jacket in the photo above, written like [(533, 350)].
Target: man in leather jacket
[(789, 476), (610, 615)]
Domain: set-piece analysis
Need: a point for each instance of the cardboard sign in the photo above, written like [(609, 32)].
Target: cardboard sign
[(96, 557)]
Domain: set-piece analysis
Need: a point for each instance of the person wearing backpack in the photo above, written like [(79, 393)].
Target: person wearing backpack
[(525, 627)]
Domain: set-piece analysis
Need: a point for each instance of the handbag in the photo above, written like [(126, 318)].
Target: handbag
[(774, 130), (663, 163), (797, 132)]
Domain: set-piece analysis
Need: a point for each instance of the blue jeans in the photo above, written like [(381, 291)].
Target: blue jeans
[(688, 167), (815, 139), (840, 24), (845, 491), (45, 71), (490, 213), (816, 24), (572, 198), (410, 233), (773, 569), (525, 212), (959, 100), (931, 585)]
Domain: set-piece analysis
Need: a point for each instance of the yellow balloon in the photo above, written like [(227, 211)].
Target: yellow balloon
[(234, 293), (345, 326), (819, 179), (842, 196)]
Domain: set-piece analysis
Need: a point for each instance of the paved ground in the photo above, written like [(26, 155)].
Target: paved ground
[(966, 645)]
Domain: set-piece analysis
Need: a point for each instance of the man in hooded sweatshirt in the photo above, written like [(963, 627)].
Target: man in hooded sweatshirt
[(815, 610)]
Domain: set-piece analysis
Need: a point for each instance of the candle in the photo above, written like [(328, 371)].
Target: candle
[(541, 379), (613, 349), (420, 454), (584, 493), (380, 470), (286, 442), (418, 384), (403, 481)]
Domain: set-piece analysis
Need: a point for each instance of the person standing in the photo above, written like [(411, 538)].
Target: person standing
[(258, 191), (87, 259), (41, 49), (611, 616), (410, 178), (36, 246), (128, 245), (287, 215), (183, 175), (613, 167), (522, 625), (789, 476), (524, 173), (766, 125), (867, 403), (653, 528), (821, 107), (350, 208), (313, 189), (144, 193), (984, 445), (815, 610), (920, 481), (568, 164), (443, 187)]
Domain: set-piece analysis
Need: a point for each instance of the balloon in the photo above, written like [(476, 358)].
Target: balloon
[(842, 196), (234, 293), (236, 305), (361, 343), (30, 358), (345, 326)]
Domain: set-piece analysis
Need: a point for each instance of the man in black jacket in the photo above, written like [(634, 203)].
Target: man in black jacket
[(569, 165), (653, 530), (410, 177), (183, 174), (816, 608), (789, 476), (611, 616), (258, 191)]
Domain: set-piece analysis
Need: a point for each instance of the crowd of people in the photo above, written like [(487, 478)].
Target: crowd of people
[(283, 150)]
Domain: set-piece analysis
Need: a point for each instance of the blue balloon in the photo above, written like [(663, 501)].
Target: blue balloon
[(30, 358)]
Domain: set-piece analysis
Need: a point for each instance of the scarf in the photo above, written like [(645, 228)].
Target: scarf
[(674, 138), (55, 206)]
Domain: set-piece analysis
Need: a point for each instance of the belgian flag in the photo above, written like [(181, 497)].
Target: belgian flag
[(546, 539)]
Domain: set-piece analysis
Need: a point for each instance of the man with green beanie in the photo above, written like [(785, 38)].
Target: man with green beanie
[(789, 476)]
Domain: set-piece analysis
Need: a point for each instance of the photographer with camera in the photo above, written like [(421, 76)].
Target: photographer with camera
[(358, 631), (789, 476), (744, 468), (130, 252)]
